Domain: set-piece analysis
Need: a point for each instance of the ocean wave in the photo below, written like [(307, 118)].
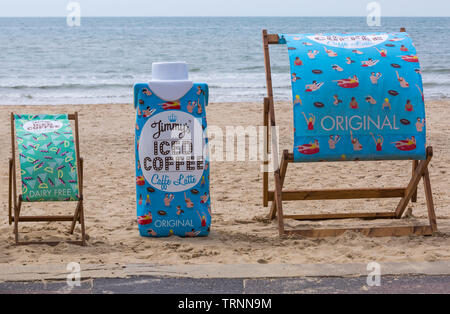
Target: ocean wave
[(68, 86)]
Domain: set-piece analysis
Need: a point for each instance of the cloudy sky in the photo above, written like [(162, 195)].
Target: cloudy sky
[(225, 7)]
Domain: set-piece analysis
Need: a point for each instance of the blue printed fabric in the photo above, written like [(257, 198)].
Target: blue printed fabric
[(356, 97), (172, 166)]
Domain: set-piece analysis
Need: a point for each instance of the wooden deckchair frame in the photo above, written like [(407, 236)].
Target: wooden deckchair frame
[(15, 203), (277, 196)]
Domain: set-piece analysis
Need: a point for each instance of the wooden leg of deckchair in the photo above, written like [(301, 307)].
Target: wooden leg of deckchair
[(415, 163), (83, 228), (278, 202), (429, 199), (412, 186), (16, 219), (75, 217), (10, 192), (283, 169)]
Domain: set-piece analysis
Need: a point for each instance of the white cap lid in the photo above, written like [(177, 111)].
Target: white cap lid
[(170, 71)]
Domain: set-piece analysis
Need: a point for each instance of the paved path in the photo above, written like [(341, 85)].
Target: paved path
[(145, 284)]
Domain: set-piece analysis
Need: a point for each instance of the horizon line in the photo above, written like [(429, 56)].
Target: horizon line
[(224, 16)]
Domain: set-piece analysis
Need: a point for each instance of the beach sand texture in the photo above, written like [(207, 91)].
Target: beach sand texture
[(239, 232)]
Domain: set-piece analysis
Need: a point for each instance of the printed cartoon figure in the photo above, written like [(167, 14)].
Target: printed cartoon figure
[(371, 100), (375, 77), (406, 145), (420, 124), (403, 48), (312, 54), (382, 52), (313, 87), (294, 77), (402, 81), (410, 58), (202, 219), (297, 100), (330, 52), (146, 219), (337, 68), (192, 233), (309, 149), (297, 61), (386, 104), (420, 91), (307, 43), (350, 82), (310, 121), (369, 62), (200, 91), (179, 211), (190, 106), (336, 100), (199, 108), (333, 140), (357, 52), (353, 103), (147, 201), (349, 61), (140, 199), (355, 142), (204, 198), (409, 106), (168, 199), (378, 141), (151, 232), (188, 201), (148, 112), (146, 92)]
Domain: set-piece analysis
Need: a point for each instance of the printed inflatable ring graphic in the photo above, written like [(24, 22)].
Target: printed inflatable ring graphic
[(194, 191), (319, 104), (317, 71), (392, 92), (162, 213), (144, 220), (308, 151), (405, 147), (395, 65), (150, 189), (405, 121), (140, 181)]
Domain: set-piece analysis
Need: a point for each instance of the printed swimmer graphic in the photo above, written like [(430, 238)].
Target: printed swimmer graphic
[(313, 87), (309, 149), (355, 142), (310, 120), (406, 145), (333, 140), (350, 82), (378, 141)]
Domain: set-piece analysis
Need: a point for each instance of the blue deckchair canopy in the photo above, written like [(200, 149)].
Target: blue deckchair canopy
[(356, 96)]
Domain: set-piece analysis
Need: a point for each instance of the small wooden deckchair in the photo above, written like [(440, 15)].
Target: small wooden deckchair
[(278, 195), (51, 169)]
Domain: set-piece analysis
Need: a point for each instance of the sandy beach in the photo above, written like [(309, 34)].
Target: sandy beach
[(239, 233)]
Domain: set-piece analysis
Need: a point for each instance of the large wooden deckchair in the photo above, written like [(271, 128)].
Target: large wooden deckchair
[(278, 195), (50, 166)]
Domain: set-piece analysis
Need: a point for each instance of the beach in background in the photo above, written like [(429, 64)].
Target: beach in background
[(240, 233), (43, 61)]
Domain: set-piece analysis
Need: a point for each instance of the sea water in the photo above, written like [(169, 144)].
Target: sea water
[(44, 61)]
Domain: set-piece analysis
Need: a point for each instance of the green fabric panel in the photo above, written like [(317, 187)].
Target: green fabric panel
[(47, 158)]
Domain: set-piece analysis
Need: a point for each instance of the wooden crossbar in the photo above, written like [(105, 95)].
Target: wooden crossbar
[(15, 201), (335, 194), (278, 195)]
